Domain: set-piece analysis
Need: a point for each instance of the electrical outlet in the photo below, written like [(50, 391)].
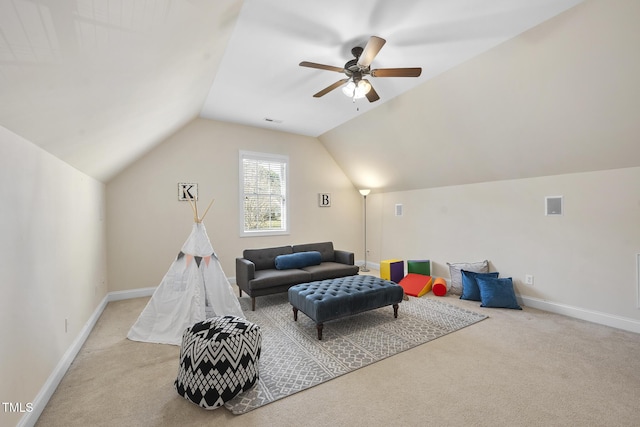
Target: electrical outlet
[(528, 279)]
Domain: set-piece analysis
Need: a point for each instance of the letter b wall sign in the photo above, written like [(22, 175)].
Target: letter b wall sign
[(324, 200)]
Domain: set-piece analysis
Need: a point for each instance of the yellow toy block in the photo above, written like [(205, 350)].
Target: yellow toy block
[(392, 269)]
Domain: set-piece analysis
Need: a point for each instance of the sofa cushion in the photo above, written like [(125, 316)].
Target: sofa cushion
[(265, 258), (325, 249), (271, 278), (330, 270), (298, 260)]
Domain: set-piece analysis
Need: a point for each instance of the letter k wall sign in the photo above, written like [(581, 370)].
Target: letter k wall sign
[(187, 191)]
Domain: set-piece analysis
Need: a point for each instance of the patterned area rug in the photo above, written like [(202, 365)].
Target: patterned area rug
[(293, 359)]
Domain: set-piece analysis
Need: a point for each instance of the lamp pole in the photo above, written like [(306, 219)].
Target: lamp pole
[(364, 193)]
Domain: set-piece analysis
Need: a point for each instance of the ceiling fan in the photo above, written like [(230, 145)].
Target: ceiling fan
[(356, 69)]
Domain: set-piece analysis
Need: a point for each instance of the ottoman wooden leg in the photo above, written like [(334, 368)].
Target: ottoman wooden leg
[(319, 327), (395, 310), (295, 314)]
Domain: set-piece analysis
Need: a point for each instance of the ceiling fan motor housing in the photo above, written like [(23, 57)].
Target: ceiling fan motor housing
[(352, 69)]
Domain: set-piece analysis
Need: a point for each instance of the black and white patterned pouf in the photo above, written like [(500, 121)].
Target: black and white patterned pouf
[(218, 360)]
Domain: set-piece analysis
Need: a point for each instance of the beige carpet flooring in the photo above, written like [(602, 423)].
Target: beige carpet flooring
[(517, 368)]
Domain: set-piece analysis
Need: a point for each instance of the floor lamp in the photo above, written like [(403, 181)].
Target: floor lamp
[(365, 192)]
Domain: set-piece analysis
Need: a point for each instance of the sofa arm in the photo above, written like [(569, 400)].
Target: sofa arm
[(245, 271), (344, 257)]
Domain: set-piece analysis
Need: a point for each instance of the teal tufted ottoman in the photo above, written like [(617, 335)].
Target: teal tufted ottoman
[(335, 298)]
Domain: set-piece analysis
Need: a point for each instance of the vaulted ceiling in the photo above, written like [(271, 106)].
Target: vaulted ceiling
[(98, 83)]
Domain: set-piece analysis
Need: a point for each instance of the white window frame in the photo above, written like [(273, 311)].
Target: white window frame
[(276, 158)]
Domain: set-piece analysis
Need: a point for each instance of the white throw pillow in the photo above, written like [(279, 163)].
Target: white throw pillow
[(455, 285)]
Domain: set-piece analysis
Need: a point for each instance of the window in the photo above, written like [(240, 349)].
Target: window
[(263, 194)]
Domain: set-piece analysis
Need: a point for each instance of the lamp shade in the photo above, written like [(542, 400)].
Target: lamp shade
[(365, 191), (362, 88)]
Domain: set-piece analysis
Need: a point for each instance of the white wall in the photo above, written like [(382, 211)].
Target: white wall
[(147, 225), (584, 259), (52, 261)]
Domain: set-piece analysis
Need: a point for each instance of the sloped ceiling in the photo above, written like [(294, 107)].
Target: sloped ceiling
[(561, 98), (99, 83)]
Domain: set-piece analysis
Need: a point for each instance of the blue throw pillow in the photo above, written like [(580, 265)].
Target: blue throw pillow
[(497, 293), (298, 260), (470, 290)]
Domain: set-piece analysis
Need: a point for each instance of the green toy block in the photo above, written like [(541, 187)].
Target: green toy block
[(421, 266)]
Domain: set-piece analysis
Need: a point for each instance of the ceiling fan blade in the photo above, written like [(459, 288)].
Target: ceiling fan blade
[(372, 95), (370, 51), (321, 66), (397, 72), (328, 89)]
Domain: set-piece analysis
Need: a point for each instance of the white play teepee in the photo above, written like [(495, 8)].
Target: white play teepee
[(195, 288)]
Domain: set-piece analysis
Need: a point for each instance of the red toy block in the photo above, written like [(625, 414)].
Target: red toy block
[(440, 287), (415, 284)]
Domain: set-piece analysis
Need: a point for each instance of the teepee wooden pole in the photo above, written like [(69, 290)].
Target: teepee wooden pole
[(194, 208), (205, 212)]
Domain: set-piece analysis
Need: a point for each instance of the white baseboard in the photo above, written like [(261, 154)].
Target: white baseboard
[(133, 293), (49, 387), (370, 265), (619, 322)]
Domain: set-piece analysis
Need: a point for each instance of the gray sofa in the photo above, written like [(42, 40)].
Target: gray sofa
[(257, 275)]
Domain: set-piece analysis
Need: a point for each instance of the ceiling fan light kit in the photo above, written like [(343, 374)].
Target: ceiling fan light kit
[(355, 69), (356, 90)]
